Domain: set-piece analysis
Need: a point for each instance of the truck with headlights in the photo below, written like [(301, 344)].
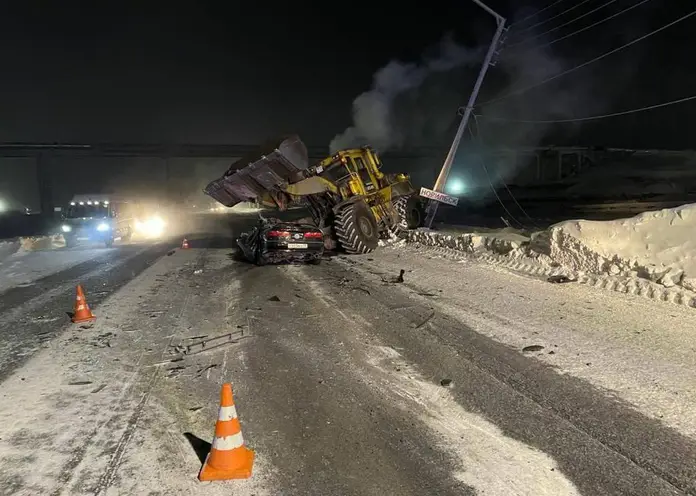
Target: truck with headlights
[(97, 218)]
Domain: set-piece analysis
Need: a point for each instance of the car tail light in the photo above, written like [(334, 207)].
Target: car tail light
[(314, 235), (277, 234)]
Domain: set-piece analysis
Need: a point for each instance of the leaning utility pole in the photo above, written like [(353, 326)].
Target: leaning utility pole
[(492, 50)]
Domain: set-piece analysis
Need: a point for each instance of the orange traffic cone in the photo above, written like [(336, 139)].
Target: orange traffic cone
[(82, 312), (228, 457), (184, 244)]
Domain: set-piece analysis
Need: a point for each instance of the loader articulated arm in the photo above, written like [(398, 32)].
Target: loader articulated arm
[(312, 185)]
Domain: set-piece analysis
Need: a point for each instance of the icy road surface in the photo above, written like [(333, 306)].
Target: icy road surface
[(347, 383), (25, 268)]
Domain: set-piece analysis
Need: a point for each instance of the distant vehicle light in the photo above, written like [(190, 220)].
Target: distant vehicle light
[(152, 227), (65, 228), (82, 203), (72, 204), (89, 203), (103, 227), (106, 202)]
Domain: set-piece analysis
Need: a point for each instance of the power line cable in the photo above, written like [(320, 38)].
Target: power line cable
[(480, 141), (532, 16), (583, 29), (541, 23), (568, 23), (490, 182), (593, 117), (524, 89)]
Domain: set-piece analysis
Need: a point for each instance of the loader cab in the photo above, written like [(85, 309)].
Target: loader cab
[(360, 164)]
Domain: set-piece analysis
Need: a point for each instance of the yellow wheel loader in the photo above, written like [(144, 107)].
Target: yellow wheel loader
[(350, 199)]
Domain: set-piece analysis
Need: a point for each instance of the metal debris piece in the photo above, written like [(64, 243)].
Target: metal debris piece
[(195, 408), (79, 383), (446, 382), (532, 348), (198, 337), (96, 390), (212, 343), (205, 369), (274, 298), (560, 279)]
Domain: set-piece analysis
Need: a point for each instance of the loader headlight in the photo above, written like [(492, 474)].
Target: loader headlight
[(65, 228), (102, 227)]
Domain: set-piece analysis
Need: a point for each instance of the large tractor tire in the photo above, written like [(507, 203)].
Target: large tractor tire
[(410, 211), (356, 228)]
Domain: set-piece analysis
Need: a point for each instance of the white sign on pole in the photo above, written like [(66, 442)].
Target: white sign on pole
[(440, 197)]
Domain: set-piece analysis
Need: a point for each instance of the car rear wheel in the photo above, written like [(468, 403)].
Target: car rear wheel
[(356, 228)]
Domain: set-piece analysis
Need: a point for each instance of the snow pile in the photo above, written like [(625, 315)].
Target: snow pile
[(8, 247), (41, 243), (660, 246), (502, 243)]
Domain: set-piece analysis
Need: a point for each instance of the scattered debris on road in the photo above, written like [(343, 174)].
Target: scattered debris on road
[(274, 298), (532, 348), (395, 280), (97, 389), (79, 383), (560, 279), (446, 382)]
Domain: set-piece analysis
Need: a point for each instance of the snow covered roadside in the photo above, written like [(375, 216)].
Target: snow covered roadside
[(9, 247), (659, 246), (651, 255)]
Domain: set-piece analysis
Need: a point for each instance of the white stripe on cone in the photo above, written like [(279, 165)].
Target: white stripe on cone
[(227, 413), (228, 442)]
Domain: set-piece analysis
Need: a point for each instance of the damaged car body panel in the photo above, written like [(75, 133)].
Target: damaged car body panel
[(275, 241)]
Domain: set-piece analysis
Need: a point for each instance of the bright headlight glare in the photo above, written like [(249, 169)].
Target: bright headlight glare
[(154, 226), (103, 227), (65, 228)]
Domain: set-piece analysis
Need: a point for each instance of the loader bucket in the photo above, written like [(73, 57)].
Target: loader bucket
[(257, 174)]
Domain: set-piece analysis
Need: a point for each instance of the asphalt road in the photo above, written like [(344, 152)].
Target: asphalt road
[(346, 383)]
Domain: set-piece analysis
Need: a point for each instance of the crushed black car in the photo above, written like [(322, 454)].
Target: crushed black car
[(276, 241)]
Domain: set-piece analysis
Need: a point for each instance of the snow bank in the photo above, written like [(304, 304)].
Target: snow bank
[(502, 243), (41, 243), (660, 246), (8, 247)]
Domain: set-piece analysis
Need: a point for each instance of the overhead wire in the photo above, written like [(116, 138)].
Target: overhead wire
[(568, 23), (545, 21), (490, 182), (590, 26), (507, 188), (532, 16), (524, 89), (593, 117)]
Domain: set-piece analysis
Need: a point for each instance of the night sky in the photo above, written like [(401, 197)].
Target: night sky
[(234, 72)]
